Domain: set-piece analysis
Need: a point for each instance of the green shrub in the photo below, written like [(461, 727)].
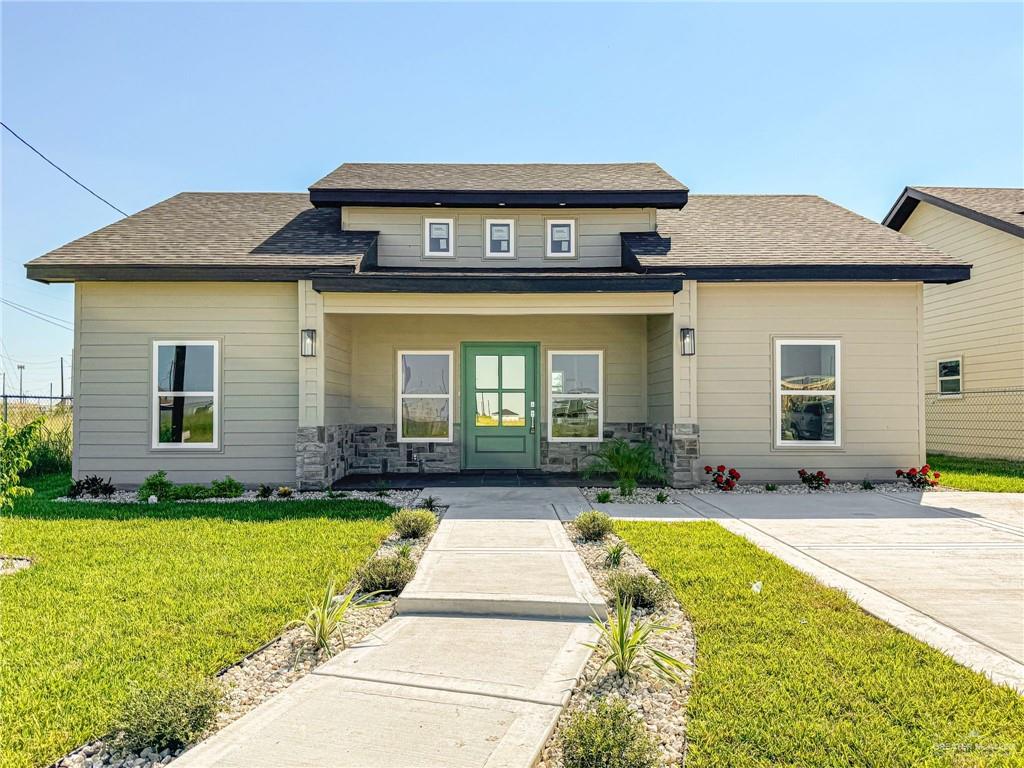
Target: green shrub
[(867, 485), (157, 485), (284, 492), (91, 485), (593, 525), (771, 487), (638, 589), (386, 573), (608, 736), (625, 643), (603, 497), (190, 492), (169, 717), (265, 491), (228, 488), (629, 463), (413, 523), (14, 460), (662, 497), (613, 554)]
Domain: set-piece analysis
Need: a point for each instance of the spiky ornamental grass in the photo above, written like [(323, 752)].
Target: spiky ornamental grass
[(326, 617), (627, 644), (630, 464)]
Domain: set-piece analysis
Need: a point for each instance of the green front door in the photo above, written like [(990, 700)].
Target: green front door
[(500, 412)]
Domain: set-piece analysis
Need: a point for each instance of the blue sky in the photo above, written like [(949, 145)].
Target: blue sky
[(141, 101)]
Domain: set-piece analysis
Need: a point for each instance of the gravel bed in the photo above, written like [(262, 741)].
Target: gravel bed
[(662, 705), (260, 675), (402, 498), (649, 495), (639, 496), (10, 565)]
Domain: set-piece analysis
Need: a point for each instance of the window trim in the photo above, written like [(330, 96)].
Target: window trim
[(488, 254), (836, 441), (550, 397), (450, 397), (548, 254), (155, 394), (427, 253), (959, 359)]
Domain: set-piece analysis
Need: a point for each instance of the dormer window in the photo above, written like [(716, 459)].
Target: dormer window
[(499, 238), (561, 239), (437, 237)]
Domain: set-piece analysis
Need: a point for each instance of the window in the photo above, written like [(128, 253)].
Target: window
[(950, 376), (561, 239), (575, 397), (437, 237), (185, 400), (807, 392), (425, 397), (499, 238)]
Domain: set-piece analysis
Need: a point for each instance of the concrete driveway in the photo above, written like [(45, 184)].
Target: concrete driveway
[(947, 567)]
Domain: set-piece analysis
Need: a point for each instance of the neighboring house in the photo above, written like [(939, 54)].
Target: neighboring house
[(433, 318), (973, 331)]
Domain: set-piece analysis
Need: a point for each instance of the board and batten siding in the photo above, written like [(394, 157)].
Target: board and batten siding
[(400, 243), (115, 327), (881, 418)]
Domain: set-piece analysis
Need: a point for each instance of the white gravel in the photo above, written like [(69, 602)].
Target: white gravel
[(649, 495), (662, 705), (639, 496), (396, 498), (9, 564)]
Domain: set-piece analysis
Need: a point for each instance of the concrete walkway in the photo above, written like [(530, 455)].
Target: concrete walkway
[(474, 670)]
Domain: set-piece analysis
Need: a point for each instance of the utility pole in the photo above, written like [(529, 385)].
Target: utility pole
[(61, 379), (21, 381)]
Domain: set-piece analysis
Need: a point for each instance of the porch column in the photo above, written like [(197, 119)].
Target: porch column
[(311, 449), (685, 437)]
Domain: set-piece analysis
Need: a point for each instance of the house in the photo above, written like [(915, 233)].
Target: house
[(437, 318), (973, 331)]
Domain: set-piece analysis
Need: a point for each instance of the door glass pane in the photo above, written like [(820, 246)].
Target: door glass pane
[(185, 368), (808, 366), (949, 385), (486, 409), (949, 368), (513, 372), (424, 374), (513, 409), (425, 417), (574, 417), (186, 419), (575, 374), (486, 371), (808, 417)]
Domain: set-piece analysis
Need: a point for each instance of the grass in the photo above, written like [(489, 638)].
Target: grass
[(800, 676), (146, 593), (979, 474)]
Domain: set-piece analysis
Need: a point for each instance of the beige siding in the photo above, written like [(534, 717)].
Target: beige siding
[(401, 235), (877, 325), (338, 367), (256, 324), (611, 303), (659, 369)]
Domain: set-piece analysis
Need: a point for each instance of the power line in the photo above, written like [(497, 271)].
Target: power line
[(94, 194), (30, 313), (37, 311)]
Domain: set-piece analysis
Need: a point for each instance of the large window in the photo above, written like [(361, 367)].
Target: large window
[(575, 397), (185, 396), (425, 397), (437, 237), (561, 239), (950, 376), (499, 238), (807, 392)]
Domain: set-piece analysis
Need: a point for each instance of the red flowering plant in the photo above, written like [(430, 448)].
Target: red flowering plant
[(814, 480), (919, 478), (723, 478)]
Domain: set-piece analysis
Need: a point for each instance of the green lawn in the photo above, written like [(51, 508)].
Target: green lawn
[(979, 474), (799, 676), (123, 593)]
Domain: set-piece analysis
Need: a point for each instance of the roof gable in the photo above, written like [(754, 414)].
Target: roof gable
[(998, 207)]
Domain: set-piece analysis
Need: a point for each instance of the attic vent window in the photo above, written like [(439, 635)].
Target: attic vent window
[(500, 238), (437, 237), (561, 238)]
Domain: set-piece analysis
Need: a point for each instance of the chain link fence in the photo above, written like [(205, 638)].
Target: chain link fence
[(52, 449), (983, 423)]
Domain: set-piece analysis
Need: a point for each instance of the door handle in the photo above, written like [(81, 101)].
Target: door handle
[(533, 417)]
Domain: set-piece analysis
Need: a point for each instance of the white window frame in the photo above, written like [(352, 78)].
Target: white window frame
[(450, 253), (156, 394), (959, 360), (599, 395), (836, 441), (511, 253), (450, 397), (548, 223)]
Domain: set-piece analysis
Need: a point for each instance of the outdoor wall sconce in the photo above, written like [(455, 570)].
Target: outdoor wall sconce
[(687, 341), (307, 342)]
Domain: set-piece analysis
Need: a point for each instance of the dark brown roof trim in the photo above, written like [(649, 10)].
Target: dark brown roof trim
[(926, 273), (63, 273), (383, 283), (659, 198), (908, 200)]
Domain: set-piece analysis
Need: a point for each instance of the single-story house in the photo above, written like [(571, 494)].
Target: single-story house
[(973, 331), (440, 318)]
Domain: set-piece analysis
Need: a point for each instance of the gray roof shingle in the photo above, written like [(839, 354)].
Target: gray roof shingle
[(1005, 204)]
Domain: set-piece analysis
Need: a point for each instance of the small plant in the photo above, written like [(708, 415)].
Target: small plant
[(630, 463), (265, 491), (919, 478), (157, 485), (613, 554), (326, 616), (661, 497), (190, 491), (168, 717), (867, 485), (814, 480), (413, 523), (610, 735), (284, 492), (430, 502), (386, 573), (626, 645), (228, 488), (725, 479), (638, 589), (381, 488), (770, 487), (404, 550), (593, 525), (15, 445), (603, 497), (91, 485)]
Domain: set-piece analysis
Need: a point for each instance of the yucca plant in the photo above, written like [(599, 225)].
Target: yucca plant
[(327, 616), (626, 645), (630, 463), (613, 554)]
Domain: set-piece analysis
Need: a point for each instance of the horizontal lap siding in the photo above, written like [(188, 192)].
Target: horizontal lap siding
[(659, 369), (877, 325), (338, 368), (257, 326)]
